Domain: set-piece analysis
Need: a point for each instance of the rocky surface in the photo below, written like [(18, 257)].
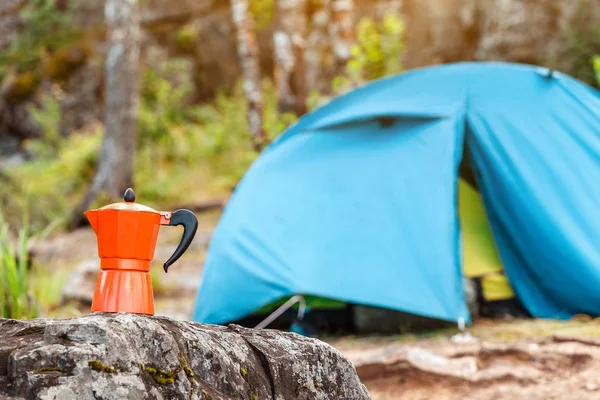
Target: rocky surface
[(119, 356)]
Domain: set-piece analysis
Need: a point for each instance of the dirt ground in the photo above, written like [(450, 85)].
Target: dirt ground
[(507, 360)]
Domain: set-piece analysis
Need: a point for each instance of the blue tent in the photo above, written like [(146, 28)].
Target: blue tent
[(357, 201)]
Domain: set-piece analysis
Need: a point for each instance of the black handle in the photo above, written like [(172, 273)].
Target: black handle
[(190, 225)]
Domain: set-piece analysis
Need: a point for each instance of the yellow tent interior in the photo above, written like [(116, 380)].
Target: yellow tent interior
[(480, 257)]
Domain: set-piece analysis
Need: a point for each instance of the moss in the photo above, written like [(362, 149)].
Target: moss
[(22, 86), (254, 396), (188, 371), (50, 369), (160, 376), (97, 365), (243, 372), (61, 64)]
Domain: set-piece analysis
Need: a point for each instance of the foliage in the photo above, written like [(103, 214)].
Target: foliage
[(46, 30), (47, 116), (185, 38), (596, 65), (185, 151), (377, 53), (379, 48), (224, 137), (47, 186), (178, 141), (582, 43), (163, 109), (16, 299), (26, 290), (263, 12), (212, 136)]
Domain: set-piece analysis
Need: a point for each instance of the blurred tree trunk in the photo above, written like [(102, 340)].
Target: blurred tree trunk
[(248, 55), (290, 40), (115, 173), (341, 32), (117, 159), (316, 47)]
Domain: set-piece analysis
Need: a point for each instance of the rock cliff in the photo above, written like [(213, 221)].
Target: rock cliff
[(127, 356)]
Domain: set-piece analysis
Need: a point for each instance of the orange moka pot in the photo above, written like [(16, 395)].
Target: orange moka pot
[(127, 234)]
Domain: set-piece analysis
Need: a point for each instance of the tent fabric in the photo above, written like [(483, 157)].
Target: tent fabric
[(536, 146), (343, 207), (329, 210)]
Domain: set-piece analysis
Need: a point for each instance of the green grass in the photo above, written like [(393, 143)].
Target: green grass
[(26, 291), (16, 297), (596, 65), (312, 302)]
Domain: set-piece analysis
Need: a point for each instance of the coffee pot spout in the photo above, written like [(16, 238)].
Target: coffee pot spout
[(92, 216)]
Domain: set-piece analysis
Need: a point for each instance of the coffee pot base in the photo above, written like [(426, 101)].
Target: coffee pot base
[(123, 291)]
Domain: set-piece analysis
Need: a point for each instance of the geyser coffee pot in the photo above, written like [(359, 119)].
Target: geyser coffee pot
[(127, 234)]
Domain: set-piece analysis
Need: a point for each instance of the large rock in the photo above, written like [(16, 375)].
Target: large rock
[(128, 356), (558, 33)]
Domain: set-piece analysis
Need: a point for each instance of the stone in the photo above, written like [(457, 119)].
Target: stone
[(591, 386), (118, 356), (13, 160), (81, 282)]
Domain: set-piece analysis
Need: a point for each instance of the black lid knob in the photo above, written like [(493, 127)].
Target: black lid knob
[(129, 195)]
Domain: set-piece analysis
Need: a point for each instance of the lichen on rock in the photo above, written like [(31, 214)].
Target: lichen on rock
[(128, 356)]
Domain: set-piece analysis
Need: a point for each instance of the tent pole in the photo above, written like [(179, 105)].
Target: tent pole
[(463, 336), (283, 308)]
